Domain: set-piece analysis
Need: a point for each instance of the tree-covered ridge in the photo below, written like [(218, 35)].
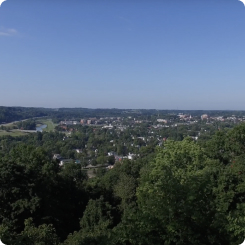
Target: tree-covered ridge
[(10, 114), (182, 192)]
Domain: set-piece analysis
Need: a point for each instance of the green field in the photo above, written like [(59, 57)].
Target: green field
[(49, 123), (12, 133)]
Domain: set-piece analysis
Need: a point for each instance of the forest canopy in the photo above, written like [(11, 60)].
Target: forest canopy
[(181, 192)]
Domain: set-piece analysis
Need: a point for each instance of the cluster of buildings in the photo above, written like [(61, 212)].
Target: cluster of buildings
[(91, 121), (130, 156), (88, 121), (63, 161), (69, 122)]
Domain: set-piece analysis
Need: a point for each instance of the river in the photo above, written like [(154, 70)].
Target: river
[(40, 128)]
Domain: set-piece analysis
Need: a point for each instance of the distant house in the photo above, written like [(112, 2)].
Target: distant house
[(112, 153), (64, 161), (118, 158), (162, 120), (69, 122), (79, 150), (204, 116), (131, 156), (57, 156), (109, 127), (83, 121), (194, 137)]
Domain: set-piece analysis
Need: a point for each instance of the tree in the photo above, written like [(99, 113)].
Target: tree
[(125, 190), (111, 160), (31, 235), (17, 195), (95, 224), (41, 235), (175, 197)]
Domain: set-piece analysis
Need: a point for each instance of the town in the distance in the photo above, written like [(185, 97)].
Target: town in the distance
[(104, 136)]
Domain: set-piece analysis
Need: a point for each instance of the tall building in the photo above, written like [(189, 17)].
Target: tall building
[(83, 121), (204, 116)]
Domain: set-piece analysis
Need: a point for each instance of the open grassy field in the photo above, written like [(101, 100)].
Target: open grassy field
[(49, 123), (12, 133), (8, 124)]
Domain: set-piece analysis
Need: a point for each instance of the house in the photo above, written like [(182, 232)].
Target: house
[(118, 158), (57, 156), (204, 116), (109, 127), (79, 150), (83, 121), (162, 120), (131, 156), (112, 153), (64, 161)]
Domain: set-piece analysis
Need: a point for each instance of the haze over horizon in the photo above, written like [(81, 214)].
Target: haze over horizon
[(173, 54)]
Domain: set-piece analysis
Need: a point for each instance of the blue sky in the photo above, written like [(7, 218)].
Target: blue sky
[(169, 54)]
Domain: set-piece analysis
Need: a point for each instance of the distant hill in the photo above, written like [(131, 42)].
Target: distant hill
[(10, 114)]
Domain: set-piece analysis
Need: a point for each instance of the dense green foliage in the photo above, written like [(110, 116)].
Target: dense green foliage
[(181, 192), (10, 114), (27, 125)]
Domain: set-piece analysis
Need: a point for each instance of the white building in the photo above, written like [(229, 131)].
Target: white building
[(79, 150)]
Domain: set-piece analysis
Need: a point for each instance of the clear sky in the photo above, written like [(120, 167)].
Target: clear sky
[(160, 54)]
